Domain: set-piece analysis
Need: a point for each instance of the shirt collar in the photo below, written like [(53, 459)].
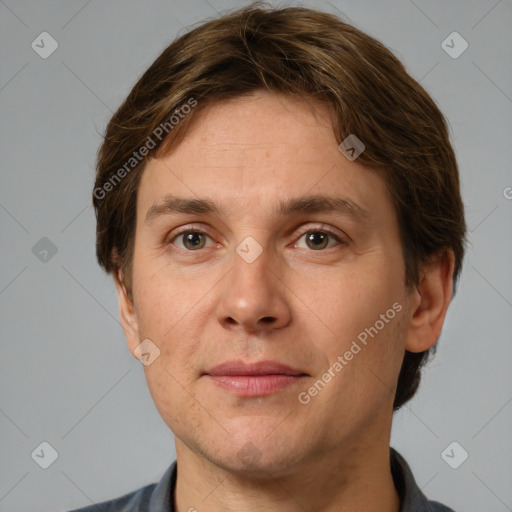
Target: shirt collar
[(162, 497), (411, 497)]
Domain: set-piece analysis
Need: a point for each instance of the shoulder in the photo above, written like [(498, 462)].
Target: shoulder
[(411, 497), (151, 498), (132, 502), (435, 506)]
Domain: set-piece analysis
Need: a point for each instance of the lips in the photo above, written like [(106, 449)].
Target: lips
[(239, 368), (254, 379)]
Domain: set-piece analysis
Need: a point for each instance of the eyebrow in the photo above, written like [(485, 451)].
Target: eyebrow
[(300, 205)]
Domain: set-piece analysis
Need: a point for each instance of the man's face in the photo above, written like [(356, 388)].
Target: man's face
[(204, 294)]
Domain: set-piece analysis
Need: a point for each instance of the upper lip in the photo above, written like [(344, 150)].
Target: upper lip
[(258, 368)]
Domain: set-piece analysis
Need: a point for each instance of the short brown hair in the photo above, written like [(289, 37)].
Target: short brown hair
[(305, 53)]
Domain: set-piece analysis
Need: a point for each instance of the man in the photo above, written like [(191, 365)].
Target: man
[(278, 202)]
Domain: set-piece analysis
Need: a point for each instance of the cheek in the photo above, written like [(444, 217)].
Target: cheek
[(162, 301), (167, 391), (362, 316), (171, 315), (348, 303)]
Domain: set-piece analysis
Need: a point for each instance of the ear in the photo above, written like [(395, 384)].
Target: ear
[(127, 313), (433, 293)]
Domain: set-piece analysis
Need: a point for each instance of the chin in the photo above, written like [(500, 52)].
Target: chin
[(257, 458)]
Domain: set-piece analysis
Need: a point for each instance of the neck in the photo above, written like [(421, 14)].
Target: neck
[(344, 480)]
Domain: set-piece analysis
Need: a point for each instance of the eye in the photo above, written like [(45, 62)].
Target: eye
[(318, 240), (191, 240)]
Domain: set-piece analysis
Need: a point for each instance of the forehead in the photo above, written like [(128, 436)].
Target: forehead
[(243, 130), (258, 150)]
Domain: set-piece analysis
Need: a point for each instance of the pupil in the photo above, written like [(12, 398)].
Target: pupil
[(317, 239), (193, 239)]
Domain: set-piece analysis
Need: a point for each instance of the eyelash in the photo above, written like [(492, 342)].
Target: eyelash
[(322, 229)]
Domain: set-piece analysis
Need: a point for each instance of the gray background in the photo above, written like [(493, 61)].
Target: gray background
[(66, 374)]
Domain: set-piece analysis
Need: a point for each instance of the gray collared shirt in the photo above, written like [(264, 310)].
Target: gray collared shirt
[(160, 497)]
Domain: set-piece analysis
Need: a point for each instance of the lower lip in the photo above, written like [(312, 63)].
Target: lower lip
[(254, 385)]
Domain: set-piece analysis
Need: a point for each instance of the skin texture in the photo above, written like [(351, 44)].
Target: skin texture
[(295, 303)]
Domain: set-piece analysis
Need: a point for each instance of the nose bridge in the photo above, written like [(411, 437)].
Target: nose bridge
[(252, 272), (252, 296)]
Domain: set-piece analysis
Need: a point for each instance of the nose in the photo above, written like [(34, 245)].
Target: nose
[(253, 296)]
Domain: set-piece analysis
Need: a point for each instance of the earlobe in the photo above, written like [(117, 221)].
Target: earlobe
[(127, 312), (435, 291)]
